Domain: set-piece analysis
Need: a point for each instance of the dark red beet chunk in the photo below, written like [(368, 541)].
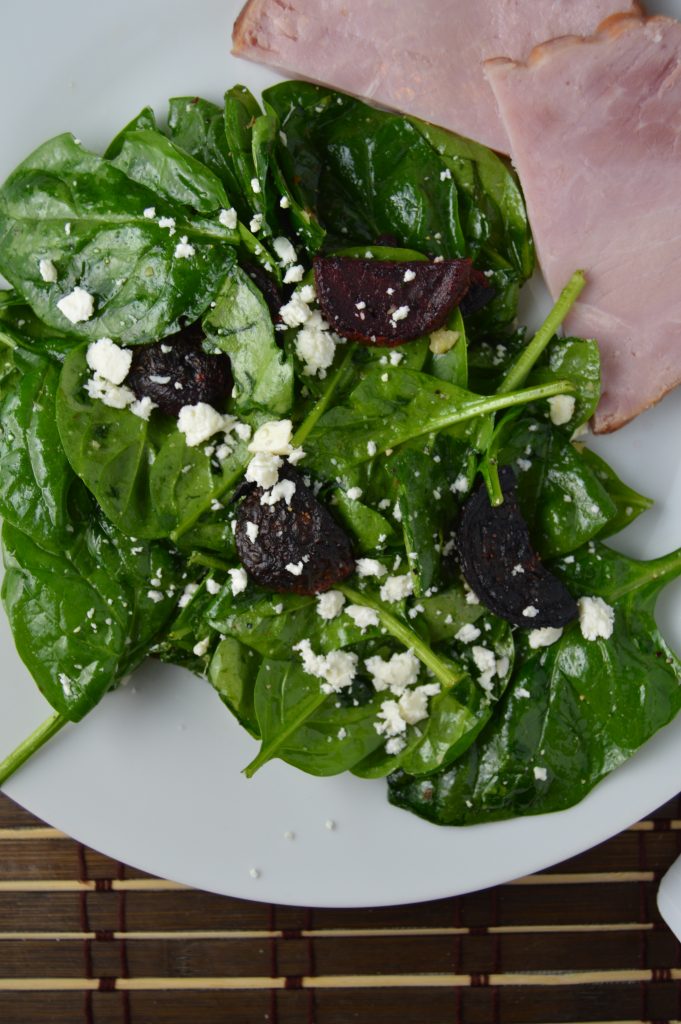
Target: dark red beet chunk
[(302, 533), (268, 287), (156, 373), (500, 565), (479, 293), (343, 282)]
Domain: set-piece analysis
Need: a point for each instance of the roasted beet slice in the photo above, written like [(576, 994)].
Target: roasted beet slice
[(301, 533), (501, 566), (371, 302), (176, 372)]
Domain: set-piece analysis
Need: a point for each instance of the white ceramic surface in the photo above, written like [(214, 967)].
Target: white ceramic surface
[(153, 775)]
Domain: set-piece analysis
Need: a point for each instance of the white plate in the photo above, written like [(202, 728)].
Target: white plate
[(152, 777)]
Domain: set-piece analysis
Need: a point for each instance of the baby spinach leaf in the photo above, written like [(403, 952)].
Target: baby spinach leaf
[(148, 157), (424, 499), (578, 361), (240, 324), (575, 710), (147, 480), (85, 617), (82, 213), (629, 503), (563, 501), (369, 528), (307, 728), (145, 120), (233, 672), (35, 477)]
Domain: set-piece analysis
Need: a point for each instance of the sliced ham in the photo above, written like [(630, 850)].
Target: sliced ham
[(423, 57), (595, 130)]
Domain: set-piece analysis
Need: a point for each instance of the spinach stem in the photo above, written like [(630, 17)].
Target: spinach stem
[(322, 404), (30, 745), (406, 635), (518, 372)]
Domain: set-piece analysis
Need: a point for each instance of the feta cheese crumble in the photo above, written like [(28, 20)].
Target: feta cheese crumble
[(596, 618), (252, 531), (109, 360), (370, 567), (330, 604), (263, 470), (396, 588), (545, 636), (184, 249), (201, 648), (77, 306), (295, 568), (442, 341), (409, 275), (337, 669), (467, 634), (400, 671), (401, 313), (200, 422), (540, 774), (238, 579), (561, 409), (315, 345), (361, 616), (284, 250), (228, 218), (530, 612), (354, 493), (48, 271), (273, 437)]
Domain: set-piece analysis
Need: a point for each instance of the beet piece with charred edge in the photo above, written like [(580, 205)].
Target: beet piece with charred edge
[(430, 296), (302, 532), (479, 293), (155, 372), (501, 566)]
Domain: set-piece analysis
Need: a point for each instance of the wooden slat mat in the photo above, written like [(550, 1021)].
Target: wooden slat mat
[(86, 939)]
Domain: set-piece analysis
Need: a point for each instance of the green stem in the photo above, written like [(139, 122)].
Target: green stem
[(517, 374), (406, 635), (30, 745), (488, 404), (659, 570), (210, 561), (322, 404)]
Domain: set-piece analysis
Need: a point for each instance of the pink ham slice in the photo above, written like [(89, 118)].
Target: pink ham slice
[(422, 57), (595, 130)]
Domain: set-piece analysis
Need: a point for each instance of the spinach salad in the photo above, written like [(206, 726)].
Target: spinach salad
[(266, 413)]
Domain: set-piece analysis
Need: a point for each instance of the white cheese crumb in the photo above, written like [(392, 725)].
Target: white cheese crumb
[(183, 249), (371, 448), (48, 271), (294, 274), (362, 616), (284, 201), (273, 437), (169, 223), (228, 218), (283, 490), (143, 407), (330, 604), (187, 594), (263, 470), (561, 409), (155, 595), (239, 580), (254, 873), (255, 223), (354, 493), (342, 733), (77, 306), (540, 774), (255, 185), (520, 691), (149, 212), (315, 345), (467, 634), (524, 464), (395, 745), (252, 531), (284, 250), (396, 588), (200, 422), (113, 395), (296, 311), (213, 587), (442, 341), (329, 825), (396, 674), (460, 485), (370, 567), (201, 648), (401, 313), (445, 175), (295, 568), (409, 275), (295, 455), (337, 669), (109, 360), (596, 618), (545, 636)]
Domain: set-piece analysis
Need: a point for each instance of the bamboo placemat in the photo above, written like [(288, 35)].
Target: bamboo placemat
[(86, 939)]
